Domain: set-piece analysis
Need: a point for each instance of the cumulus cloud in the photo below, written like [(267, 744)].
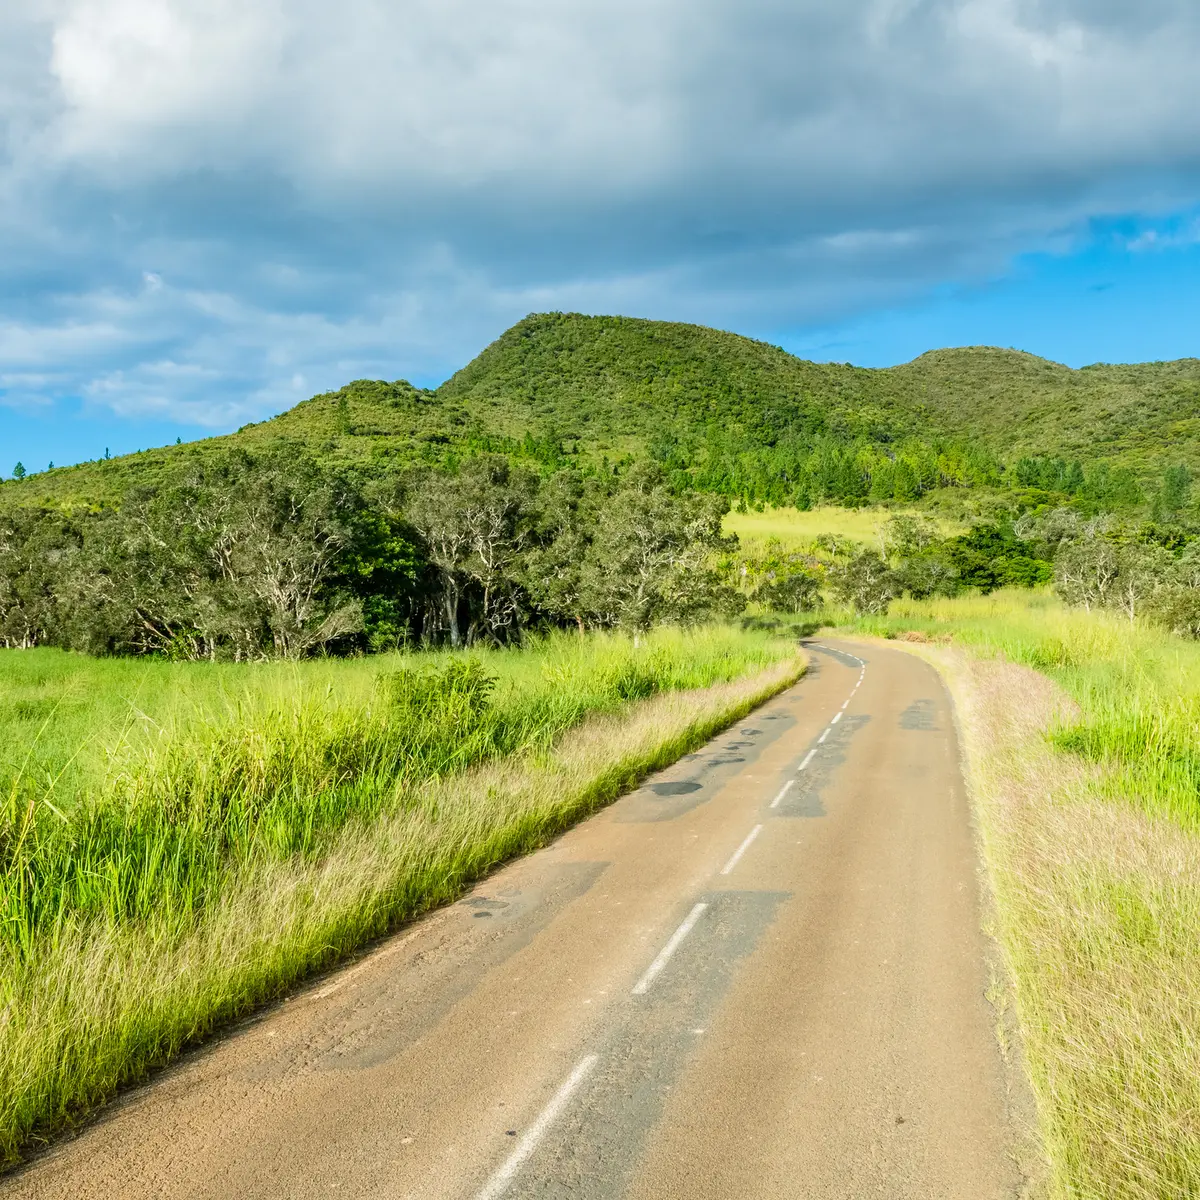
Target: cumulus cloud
[(201, 200)]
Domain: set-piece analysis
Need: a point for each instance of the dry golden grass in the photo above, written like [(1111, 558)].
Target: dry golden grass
[(1097, 910)]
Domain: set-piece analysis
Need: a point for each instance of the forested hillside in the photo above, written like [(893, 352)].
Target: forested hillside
[(1141, 415), (728, 414)]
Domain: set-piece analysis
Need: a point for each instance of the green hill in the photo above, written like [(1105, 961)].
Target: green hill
[(1140, 416), (734, 413)]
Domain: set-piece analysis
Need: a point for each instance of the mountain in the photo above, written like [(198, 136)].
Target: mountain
[(566, 387)]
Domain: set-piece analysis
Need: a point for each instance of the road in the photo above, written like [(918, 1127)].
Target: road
[(760, 975)]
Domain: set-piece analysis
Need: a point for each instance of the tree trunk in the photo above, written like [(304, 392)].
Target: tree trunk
[(451, 600)]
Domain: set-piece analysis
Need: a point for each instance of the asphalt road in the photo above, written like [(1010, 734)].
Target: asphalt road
[(760, 975)]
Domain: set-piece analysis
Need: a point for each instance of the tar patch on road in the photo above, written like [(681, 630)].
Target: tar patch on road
[(920, 714), (804, 798), (593, 1150), (675, 787), (696, 778)]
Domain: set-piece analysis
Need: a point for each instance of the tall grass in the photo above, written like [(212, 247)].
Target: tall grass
[(1088, 802), (223, 831), (1137, 688)]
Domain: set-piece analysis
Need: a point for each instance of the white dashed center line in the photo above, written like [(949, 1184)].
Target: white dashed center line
[(664, 955), (737, 854), (498, 1184)]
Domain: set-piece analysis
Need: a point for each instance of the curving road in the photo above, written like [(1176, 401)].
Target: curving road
[(760, 975)]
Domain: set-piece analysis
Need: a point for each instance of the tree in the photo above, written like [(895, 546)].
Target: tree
[(926, 574), (906, 485), (240, 556), (278, 529), (385, 568), (19, 471), (904, 536), (477, 526), (1175, 601), (1174, 493), (992, 556), (1086, 571), (794, 592), (775, 576), (553, 569), (1142, 570), (650, 558), (1178, 609), (865, 582), (39, 549)]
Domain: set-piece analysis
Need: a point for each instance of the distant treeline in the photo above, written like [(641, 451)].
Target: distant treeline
[(804, 473), (1141, 569), (249, 555), (800, 470)]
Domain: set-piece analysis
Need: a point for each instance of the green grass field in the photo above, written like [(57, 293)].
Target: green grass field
[(798, 530), (1088, 802), (180, 842)]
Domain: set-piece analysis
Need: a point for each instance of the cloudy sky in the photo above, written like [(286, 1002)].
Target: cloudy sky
[(210, 209)]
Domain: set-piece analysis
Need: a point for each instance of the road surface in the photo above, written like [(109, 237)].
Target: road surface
[(761, 975)]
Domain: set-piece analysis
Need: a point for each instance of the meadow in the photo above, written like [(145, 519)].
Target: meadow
[(797, 530), (1082, 731), (180, 842)]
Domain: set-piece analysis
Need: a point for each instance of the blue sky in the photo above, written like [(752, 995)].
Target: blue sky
[(1124, 291), (211, 210)]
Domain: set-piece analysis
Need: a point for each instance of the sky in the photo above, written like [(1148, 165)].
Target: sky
[(210, 210)]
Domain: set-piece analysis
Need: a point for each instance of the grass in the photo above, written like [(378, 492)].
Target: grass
[(797, 530), (183, 842), (1081, 732), (1138, 689)]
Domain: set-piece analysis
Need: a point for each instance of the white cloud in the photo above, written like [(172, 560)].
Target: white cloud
[(202, 201), (616, 94)]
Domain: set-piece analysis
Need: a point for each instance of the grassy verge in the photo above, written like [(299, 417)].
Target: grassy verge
[(242, 831), (1081, 734)]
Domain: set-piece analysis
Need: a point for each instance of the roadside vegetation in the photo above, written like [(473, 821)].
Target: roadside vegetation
[(249, 557), (182, 841), (1087, 782)]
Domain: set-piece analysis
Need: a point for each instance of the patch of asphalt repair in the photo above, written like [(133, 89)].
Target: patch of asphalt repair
[(592, 1150), (804, 799), (696, 778), (920, 715)]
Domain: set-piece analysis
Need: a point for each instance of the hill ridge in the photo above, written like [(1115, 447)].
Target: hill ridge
[(609, 387)]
